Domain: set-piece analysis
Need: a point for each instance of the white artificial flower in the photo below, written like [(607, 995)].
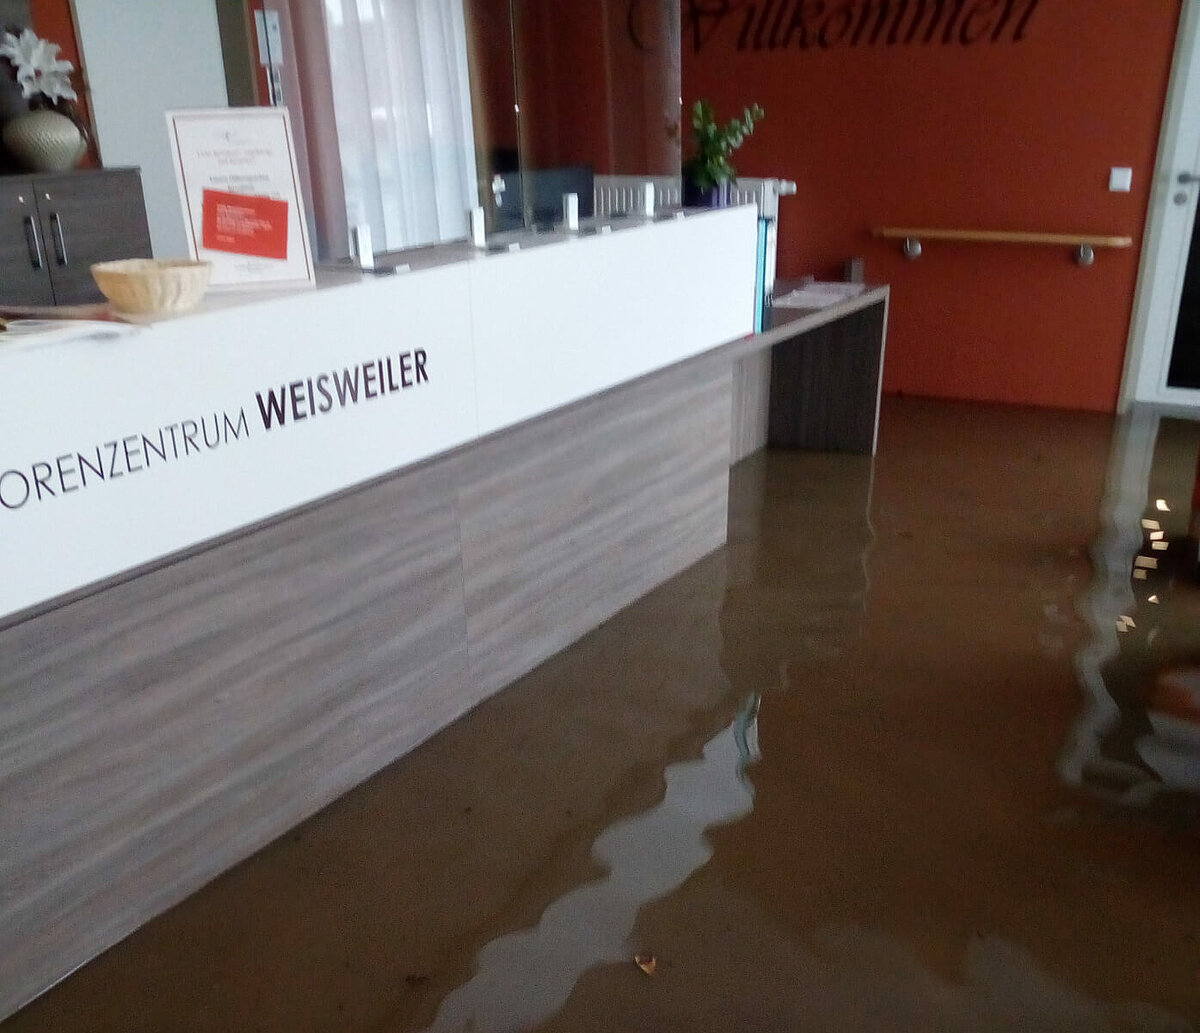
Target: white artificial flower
[(39, 69)]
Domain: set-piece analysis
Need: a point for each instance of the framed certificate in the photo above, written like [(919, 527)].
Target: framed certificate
[(240, 191)]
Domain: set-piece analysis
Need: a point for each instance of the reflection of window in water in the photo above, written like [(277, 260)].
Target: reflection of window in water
[(1138, 740), (526, 976)]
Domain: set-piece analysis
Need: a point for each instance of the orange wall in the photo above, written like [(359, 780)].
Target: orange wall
[(52, 20), (493, 86), (1012, 134), (561, 81), (599, 85)]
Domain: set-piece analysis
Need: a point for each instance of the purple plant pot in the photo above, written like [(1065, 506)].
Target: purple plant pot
[(697, 197)]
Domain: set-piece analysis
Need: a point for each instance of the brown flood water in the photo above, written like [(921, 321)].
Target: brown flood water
[(914, 752)]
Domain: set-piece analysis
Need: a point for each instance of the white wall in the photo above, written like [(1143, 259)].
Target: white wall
[(145, 57)]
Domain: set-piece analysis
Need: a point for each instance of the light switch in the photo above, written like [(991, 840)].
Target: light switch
[(1120, 181)]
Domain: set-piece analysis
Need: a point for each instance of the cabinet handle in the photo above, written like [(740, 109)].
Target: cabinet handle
[(33, 241), (60, 243)]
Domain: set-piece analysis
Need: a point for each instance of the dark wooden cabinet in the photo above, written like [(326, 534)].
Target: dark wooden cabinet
[(53, 227), (24, 275), (825, 382)]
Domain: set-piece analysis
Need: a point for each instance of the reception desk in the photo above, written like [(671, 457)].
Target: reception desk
[(115, 453), (250, 556)]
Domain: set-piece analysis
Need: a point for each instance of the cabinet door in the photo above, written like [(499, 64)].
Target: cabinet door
[(90, 217), (24, 277)]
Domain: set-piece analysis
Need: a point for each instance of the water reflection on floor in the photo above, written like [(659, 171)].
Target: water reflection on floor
[(892, 760)]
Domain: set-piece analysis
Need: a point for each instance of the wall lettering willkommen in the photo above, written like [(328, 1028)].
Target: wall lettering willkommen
[(758, 25)]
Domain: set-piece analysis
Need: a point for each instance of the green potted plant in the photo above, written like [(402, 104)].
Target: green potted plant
[(707, 175)]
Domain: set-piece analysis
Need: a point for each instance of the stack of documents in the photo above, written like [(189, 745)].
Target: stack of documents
[(818, 295), (40, 330), (30, 326)]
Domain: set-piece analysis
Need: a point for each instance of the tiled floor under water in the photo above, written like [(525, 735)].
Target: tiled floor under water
[(915, 751)]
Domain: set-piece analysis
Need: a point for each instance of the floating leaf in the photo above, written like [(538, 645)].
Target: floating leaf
[(648, 963)]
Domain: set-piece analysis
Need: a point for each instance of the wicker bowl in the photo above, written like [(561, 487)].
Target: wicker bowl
[(152, 286)]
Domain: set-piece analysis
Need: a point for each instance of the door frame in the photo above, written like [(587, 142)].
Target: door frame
[(1164, 250)]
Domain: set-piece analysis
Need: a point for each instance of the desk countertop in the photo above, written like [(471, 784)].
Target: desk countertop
[(789, 322)]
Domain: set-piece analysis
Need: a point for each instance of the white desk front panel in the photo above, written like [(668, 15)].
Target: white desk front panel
[(558, 323), (191, 388), (117, 452)]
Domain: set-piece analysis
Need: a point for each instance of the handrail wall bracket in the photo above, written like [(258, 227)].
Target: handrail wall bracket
[(1083, 245)]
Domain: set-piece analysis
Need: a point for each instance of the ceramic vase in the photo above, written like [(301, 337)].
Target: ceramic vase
[(44, 141)]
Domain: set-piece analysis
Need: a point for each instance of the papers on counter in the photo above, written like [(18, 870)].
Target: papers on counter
[(24, 333), (818, 295)]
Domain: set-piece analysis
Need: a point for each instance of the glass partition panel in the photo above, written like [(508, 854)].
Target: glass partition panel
[(494, 110), (563, 92), (599, 84), (647, 88), (412, 111)]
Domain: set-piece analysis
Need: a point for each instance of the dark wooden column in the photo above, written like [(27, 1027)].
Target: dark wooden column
[(825, 384)]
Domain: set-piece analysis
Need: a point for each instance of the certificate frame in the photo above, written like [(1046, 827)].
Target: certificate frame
[(248, 153)]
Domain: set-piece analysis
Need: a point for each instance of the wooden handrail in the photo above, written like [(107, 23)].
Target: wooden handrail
[(1003, 237)]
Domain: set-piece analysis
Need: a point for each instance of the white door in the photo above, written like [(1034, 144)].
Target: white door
[(1172, 213)]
